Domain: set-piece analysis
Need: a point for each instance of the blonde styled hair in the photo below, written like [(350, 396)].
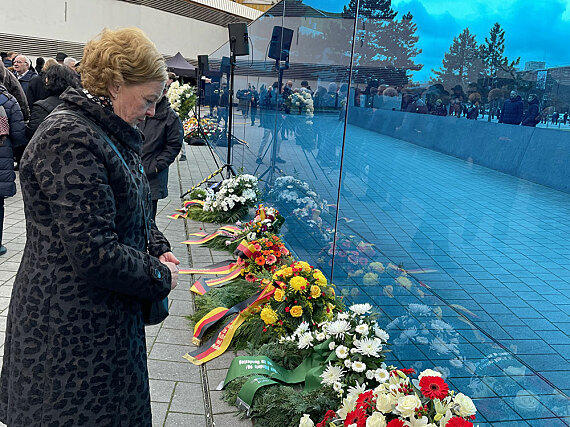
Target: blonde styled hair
[(49, 62), (123, 56)]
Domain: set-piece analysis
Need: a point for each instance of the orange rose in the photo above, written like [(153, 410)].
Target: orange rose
[(296, 311)]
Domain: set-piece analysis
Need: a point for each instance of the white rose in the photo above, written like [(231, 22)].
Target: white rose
[(332, 345), (348, 363), (384, 403), (466, 406), (306, 421), (407, 405), (376, 420), (429, 373), (370, 374)]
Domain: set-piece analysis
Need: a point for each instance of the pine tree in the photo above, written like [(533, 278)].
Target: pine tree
[(461, 65), (492, 55), (380, 9)]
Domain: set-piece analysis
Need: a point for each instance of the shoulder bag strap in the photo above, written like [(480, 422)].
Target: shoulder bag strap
[(111, 144)]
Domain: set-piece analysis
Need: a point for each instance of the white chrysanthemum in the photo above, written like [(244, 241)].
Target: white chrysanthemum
[(332, 345), (347, 363), (341, 352), (382, 334), (360, 308), (358, 366), (301, 329), (356, 390), (381, 375), (321, 336), (305, 340), (362, 329), (369, 347), (332, 374), (420, 309), (338, 328), (343, 316)]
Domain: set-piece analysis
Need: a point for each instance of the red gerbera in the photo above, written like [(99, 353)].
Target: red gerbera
[(458, 422), (260, 260), (329, 415), (395, 423), (250, 277), (366, 400), (358, 417), (434, 387)]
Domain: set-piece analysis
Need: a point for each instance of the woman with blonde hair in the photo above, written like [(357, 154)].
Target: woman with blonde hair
[(94, 260)]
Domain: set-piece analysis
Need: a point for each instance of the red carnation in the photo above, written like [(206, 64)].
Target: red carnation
[(409, 371), (358, 417), (366, 400), (458, 422), (395, 423), (434, 387)]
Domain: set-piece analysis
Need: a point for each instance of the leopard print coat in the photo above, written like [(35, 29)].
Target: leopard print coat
[(75, 352)]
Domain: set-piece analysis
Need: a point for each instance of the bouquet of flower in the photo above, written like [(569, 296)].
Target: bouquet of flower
[(358, 344), (399, 401), (270, 254), (302, 294), (302, 101), (191, 130), (182, 99), (266, 223), (231, 201)]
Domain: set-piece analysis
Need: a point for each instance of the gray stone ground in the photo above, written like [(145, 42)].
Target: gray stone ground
[(182, 394)]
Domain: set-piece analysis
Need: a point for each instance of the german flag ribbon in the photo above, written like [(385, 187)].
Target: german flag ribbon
[(222, 339), (244, 250), (201, 286), (218, 314), (184, 211), (223, 267)]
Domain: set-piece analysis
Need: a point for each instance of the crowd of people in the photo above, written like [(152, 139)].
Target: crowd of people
[(88, 138)]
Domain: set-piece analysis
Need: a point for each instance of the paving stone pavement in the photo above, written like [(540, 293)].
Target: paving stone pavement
[(181, 394)]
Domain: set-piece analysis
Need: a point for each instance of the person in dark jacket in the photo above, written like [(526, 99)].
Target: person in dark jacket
[(37, 87), (532, 114), (57, 78), (8, 80), (75, 351), (163, 138), (14, 134), (512, 111), (23, 71)]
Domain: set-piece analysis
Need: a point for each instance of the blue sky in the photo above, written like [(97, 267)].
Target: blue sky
[(535, 30)]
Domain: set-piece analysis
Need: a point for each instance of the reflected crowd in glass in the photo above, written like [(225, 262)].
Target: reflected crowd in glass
[(419, 155)]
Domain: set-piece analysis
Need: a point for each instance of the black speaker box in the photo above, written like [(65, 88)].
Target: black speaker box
[(280, 43), (225, 65), (203, 64), (239, 42)]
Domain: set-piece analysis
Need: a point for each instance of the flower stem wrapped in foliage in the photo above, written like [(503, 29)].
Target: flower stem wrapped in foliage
[(399, 401), (182, 99), (230, 203)]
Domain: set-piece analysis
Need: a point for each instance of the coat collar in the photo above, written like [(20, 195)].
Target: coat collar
[(109, 122)]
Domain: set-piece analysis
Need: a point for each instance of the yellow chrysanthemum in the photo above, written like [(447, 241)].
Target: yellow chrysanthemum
[(370, 279), (296, 311), (304, 265), (315, 291), (320, 278), (268, 315), (297, 283), (287, 271), (279, 295)]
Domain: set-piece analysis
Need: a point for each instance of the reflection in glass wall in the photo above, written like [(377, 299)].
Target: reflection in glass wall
[(419, 152)]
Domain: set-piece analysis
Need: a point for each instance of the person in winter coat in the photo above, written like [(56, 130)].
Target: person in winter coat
[(37, 88), (11, 132), (10, 82), (23, 71), (532, 114), (512, 111), (57, 78), (163, 138), (74, 351)]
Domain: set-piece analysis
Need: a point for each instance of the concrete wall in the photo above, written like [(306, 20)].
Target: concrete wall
[(81, 20), (535, 154)]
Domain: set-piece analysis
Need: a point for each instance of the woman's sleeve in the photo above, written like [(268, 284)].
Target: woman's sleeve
[(74, 181)]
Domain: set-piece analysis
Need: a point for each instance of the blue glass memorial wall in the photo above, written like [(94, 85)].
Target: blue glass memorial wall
[(419, 152)]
